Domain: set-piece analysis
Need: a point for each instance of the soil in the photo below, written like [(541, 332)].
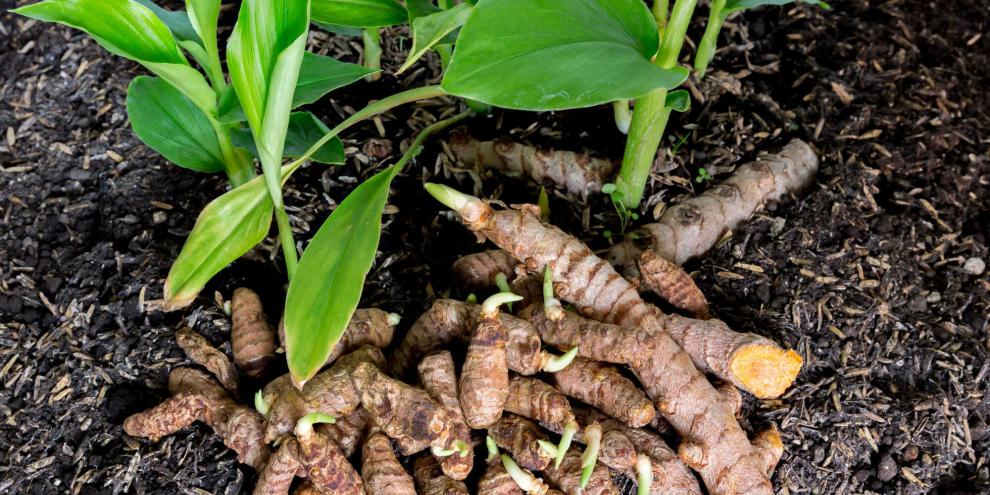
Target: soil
[(870, 275)]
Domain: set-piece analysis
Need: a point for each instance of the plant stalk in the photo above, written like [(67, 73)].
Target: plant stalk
[(380, 106), (660, 8), (650, 115), (239, 169), (707, 45), (372, 52)]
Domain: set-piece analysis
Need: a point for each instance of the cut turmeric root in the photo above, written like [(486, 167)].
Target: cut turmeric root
[(578, 173), (770, 446), (204, 354), (681, 392), (380, 469), (439, 379), (431, 480), (197, 396), (603, 387), (251, 337)]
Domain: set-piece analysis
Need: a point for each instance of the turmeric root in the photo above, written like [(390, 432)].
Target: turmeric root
[(447, 320), (756, 365), (204, 354), (578, 173), (770, 446), (537, 400), (677, 392), (524, 440), (603, 387), (691, 228), (728, 463), (196, 396), (404, 412), (439, 379), (485, 375), (380, 469), (331, 392), (348, 431), (285, 466), (251, 337), (672, 283), (495, 269), (496, 480), (431, 480), (669, 474), (567, 477), (329, 471), (477, 272)]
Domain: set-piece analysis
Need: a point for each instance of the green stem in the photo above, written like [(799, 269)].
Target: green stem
[(650, 115), (372, 52), (644, 474), (380, 106), (286, 239), (239, 170), (707, 45), (660, 8)]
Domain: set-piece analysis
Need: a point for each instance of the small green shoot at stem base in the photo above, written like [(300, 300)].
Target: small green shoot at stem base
[(304, 427), (260, 405), (557, 363), (593, 437), (570, 429), (644, 474)]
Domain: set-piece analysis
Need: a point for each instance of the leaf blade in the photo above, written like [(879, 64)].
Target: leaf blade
[(520, 54), (358, 13), (226, 229), (169, 123), (431, 29), (338, 258)]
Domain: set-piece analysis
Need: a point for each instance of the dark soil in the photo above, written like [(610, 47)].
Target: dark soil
[(864, 274)]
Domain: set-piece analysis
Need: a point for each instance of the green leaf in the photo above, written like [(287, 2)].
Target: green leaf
[(177, 21), (359, 13), (432, 29), (172, 125), (226, 229), (327, 287), (130, 30), (338, 29), (419, 8), (203, 14), (732, 6), (557, 54), (264, 54), (318, 75), (123, 27), (304, 131), (678, 100)]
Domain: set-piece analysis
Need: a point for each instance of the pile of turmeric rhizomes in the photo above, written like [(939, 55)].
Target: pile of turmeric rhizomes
[(523, 403)]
